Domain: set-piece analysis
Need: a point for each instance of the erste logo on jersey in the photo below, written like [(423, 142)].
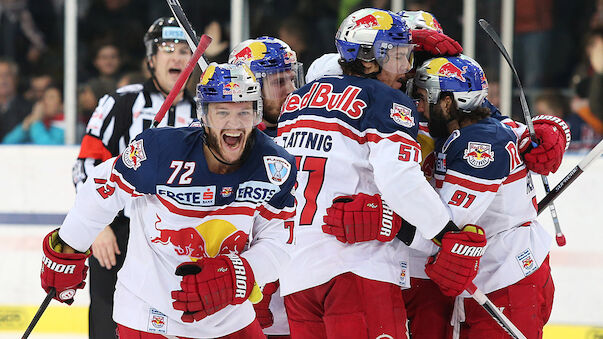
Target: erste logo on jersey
[(189, 196), (134, 154), (479, 154), (402, 115), (277, 168), (321, 96)]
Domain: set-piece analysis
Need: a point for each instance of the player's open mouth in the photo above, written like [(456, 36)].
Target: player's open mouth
[(175, 71), (232, 139)]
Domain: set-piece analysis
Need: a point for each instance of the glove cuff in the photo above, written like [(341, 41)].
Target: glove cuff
[(557, 122), (243, 279)]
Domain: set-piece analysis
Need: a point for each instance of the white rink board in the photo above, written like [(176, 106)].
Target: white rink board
[(38, 180)]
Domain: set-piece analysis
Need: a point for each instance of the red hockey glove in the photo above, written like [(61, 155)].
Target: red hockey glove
[(210, 284), (553, 137), (63, 271), (435, 43), (456, 264), (361, 217), (262, 309)]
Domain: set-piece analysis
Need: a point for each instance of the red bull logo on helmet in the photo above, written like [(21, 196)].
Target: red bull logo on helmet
[(254, 51), (375, 20), (431, 22), (209, 239), (402, 115), (443, 67), (231, 88), (479, 155)]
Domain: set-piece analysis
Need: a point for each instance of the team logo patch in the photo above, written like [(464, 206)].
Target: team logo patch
[(67, 294), (134, 154), (402, 115), (527, 263), (226, 192), (157, 322), (277, 168), (404, 282), (478, 154)]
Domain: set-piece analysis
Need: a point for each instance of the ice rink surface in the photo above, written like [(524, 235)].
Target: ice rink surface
[(577, 267)]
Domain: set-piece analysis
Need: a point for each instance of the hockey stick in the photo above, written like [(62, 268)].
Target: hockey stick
[(570, 177), (191, 36), (528, 118), (41, 310), (496, 314), (167, 103)]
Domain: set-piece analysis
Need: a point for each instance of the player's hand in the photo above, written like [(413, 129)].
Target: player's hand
[(553, 137), (435, 43), (361, 217), (104, 248), (210, 284), (456, 264), (262, 309), (63, 271)]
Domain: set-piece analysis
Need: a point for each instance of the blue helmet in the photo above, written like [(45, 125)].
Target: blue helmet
[(460, 75), (266, 55), (370, 34), (228, 83)]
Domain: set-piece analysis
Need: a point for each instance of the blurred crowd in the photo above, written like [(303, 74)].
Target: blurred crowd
[(558, 50)]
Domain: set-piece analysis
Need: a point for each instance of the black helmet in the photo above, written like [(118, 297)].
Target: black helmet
[(163, 29)]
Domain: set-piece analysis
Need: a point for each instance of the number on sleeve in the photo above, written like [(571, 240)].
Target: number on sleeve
[(459, 197), (289, 225)]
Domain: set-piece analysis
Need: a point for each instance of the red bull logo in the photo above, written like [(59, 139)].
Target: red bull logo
[(375, 20), (431, 22), (443, 67), (479, 155), (209, 239), (254, 51), (402, 115), (231, 88), (134, 154)]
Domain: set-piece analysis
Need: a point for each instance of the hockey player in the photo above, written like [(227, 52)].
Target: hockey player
[(351, 133), (480, 174), (119, 117), (275, 66), (196, 196)]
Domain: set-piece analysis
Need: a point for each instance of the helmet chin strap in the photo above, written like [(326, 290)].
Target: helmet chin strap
[(155, 81)]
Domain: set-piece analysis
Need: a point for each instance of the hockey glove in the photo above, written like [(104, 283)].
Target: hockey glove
[(553, 137), (434, 43), (210, 284), (456, 264), (262, 309), (361, 217), (63, 271)]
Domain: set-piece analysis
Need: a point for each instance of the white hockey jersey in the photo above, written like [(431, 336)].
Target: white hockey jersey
[(480, 175), (180, 212), (351, 135)]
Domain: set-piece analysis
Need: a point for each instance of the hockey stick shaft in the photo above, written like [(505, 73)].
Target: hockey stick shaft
[(191, 36), (41, 310), (571, 176), (496, 314), (182, 78), (528, 118)]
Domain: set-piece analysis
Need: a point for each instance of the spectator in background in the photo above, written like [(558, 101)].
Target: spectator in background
[(38, 83), (533, 27), (594, 52), (13, 108), (107, 63), (44, 125)]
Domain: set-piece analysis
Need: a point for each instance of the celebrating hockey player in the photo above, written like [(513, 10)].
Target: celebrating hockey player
[(275, 66), (196, 197), (119, 117), (351, 134)]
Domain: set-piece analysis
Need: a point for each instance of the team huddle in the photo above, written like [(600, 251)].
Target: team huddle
[(363, 204)]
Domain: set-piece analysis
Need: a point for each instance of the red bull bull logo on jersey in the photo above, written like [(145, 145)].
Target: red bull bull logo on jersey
[(209, 239), (134, 154), (375, 20), (479, 155), (443, 67), (402, 115), (254, 51)]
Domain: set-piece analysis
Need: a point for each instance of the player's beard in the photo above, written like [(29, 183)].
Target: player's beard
[(214, 147), (272, 110), (438, 123)]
